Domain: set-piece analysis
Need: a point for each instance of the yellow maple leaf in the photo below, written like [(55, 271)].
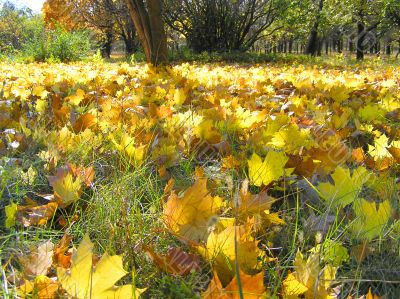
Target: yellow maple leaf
[(340, 92), (84, 280), (206, 131), (309, 279), (371, 113), (67, 190), (379, 149), (370, 219), (179, 96), (40, 91), (77, 97), (292, 287), (346, 187), (292, 139), (220, 251), (190, 215), (267, 171), (130, 149)]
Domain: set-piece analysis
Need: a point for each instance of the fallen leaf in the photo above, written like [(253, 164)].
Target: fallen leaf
[(33, 214), (85, 281), (309, 279), (192, 214), (42, 287), (11, 211), (176, 261), (67, 190), (251, 287), (371, 218), (346, 187), (229, 246), (39, 260), (62, 257), (267, 171)]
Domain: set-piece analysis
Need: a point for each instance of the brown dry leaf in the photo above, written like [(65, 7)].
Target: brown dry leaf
[(169, 186), (190, 215), (33, 214), (176, 261), (380, 164), (159, 112), (252, 287), (39, 260)]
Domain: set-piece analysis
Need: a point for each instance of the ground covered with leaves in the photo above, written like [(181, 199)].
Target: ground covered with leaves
[(199, 180)]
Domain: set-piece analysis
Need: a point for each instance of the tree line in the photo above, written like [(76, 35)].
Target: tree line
[(312, 27)]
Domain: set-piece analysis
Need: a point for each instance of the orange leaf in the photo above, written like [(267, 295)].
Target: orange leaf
[(84, 122), (61, 255), (252, 287)]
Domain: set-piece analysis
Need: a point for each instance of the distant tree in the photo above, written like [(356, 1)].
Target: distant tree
[(367, 16), (392, 18), (15, 27), (108, 19), (223, 25), (312, 45)]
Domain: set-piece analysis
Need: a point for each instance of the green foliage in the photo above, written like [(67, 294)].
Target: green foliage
[(16, 27), (23, 36), (57, 45)]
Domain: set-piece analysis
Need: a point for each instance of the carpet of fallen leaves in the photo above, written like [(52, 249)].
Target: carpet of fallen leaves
[(260, 137)]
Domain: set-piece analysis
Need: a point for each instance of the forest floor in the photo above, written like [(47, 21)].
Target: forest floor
[(213, 180)]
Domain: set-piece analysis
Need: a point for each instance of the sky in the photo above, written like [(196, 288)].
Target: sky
[(35, 5)]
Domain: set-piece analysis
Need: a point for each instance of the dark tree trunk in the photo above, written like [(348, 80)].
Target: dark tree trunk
[(130, 45), (360, 40), (351, 46), (398, 50), (327, 47), (388, 49), (106, 47), (312, 45)]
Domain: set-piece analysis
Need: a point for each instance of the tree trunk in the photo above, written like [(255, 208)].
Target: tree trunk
[(313, 45), (106, 47), (327, 47), (130, 46), (388, 49), (360, 40), (149, 26)]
